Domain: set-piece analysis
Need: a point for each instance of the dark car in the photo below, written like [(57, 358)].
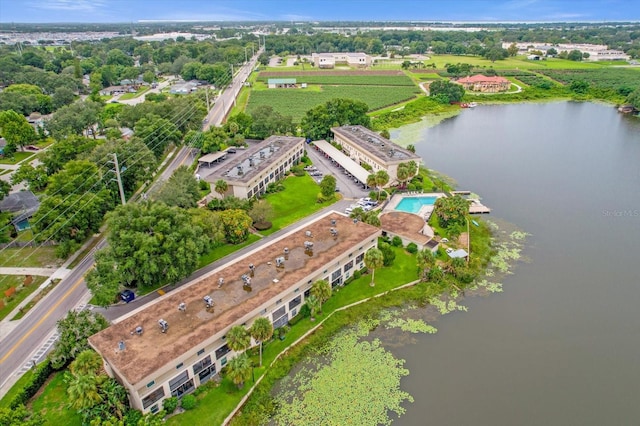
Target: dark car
[(231, 150), (127, 296)]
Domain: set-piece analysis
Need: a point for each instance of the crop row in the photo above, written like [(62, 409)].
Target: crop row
[(608, 78), (363, 80), (296, 102)]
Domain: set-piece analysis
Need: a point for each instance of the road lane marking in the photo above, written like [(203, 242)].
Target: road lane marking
[(44, 317)]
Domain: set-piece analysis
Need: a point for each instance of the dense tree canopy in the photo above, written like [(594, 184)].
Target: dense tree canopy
[(318, 121), (150, 243), (16, 130), (446, 91), (74, 330), (451, 211), (181, 190), (157, 133)]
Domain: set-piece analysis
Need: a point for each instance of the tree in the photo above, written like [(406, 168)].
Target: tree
[(446, 90), (426, 260), (328, 186), (87, 362), (19, 416), (62, 96), (370, 217), (512, 50), (36, 178), (552, 52), (265, 121), (239, 370), (314, 305), (382, 179), (317, 122), (65, 150), (413, 167), (181, 190), (221, 187), (149, 243), (579, 86), (149, 77), (388, 255), (451, 211), (238, 338), (322, 290), (575, 55), (74, 119), (74, 329), (402, 174), (5, 188), (261, 212), (371, 180), (373, 259), (16, 130), (157, 133), (495, 54), (634, 99), (385, 134), (236, 224), (83, 391), (261, 330)]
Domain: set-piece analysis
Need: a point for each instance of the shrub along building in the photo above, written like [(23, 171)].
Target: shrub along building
[(249, 172), (367, 147), (177, 342)]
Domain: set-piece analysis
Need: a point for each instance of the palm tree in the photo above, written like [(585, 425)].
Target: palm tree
[(413, 168), (83, 391), (426, 260), (239, 370), (371, 181), (402, 173), (374, 259), (314, 304), (238, 338), (115, 396), (261, 330), (321, 289), (411, 148), (382, 178), (221, 187), (87, 362)]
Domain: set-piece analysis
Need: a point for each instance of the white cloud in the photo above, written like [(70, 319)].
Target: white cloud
[(294, 17)]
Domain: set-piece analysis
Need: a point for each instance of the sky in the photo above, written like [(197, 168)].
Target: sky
[(105, 11)]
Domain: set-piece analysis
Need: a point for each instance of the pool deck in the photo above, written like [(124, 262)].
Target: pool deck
[(424, 212)]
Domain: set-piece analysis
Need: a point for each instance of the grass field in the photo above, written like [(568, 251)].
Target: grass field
[(17, 157), (8, 281), (518, 62), (604, 78), (358, 79), (295, 102), (52, 403), (297, 201), (29, 257)]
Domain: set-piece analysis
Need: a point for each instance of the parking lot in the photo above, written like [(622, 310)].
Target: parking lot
[(349, 187)]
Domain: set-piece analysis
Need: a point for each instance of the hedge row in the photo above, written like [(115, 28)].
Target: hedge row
[(40, 375)]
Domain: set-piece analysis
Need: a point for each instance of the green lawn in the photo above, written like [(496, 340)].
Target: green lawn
[(357, 79), (29, 257), (214, 405), (518, 62), (17, 387), (222, 251), (17, 157), (295, 102), (8, 281), (136, 94), (297, 201), (52, 403)]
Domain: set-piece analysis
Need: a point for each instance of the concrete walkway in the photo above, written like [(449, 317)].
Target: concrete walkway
[(41, 272)]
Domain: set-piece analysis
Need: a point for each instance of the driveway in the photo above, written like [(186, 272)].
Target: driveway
[(349, 189)]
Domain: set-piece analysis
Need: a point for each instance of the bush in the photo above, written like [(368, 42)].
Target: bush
[(170, 404), (356, 275), (298, 170), (132, 417), (262, 226), (41, 374), (305, 312), (396, 241), (188, 402), (412, 248)]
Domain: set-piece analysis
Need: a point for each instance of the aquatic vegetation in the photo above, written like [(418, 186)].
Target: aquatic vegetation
[(368, 389), (411, 326)]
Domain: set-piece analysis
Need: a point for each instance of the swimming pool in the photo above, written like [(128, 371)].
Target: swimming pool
[(414, 204)]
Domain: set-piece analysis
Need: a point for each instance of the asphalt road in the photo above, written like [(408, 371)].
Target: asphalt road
[(348, 188), (18, 345)]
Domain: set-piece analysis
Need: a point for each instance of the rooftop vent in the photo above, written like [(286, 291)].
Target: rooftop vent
[(308, 245), (262, 154), (252, 268), (334, 232), (240, 172), (308, 234), (333, 222), (182, 307), (246, 280), (272, 148), (251, 162), (138, 330), (121, 346), (220, 282), (208, 302), (280, 262), (164, 326)]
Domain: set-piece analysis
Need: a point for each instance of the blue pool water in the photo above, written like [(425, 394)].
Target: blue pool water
[(414, 204)]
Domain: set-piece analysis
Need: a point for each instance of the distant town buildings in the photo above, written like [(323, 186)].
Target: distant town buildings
[(330, 60), (482, 83), (365, 146), (249, 172), (596, 52)]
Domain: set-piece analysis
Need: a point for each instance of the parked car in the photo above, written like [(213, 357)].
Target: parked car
[(127, 296), (231, 150)]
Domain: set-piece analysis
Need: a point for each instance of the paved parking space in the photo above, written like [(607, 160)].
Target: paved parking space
[(348, 188)]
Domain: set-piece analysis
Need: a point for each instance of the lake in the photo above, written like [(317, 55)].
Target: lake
[(561, 344)]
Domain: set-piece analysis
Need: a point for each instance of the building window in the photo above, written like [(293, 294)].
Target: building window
[(200, 352), (295, 302), (222, 351), (281, 322), (202, 364), (154, 396), (207, 373), (307, 292), (223, 361), (154, 409), (336, 274), (180, 384), (151, 383), (278, 313), (348, 266), (360, 258)]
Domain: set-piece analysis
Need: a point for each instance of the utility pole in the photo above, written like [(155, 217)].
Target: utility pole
[(115, 161)]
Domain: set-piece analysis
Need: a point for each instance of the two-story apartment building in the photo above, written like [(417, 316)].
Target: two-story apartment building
[(365, 146), (248, 172), (176, 343), (330, 60)]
